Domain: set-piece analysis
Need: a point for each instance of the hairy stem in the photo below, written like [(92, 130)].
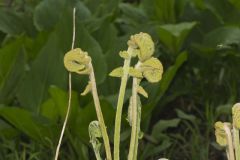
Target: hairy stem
[(132, 155), (99, 114), (236, 143), (118, 117), (69, 93), (230, 142)]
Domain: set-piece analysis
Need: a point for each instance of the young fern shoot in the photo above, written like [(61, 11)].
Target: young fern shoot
[(122, 72), (79, 62), (227, 134), (147, 67), (140, 45)]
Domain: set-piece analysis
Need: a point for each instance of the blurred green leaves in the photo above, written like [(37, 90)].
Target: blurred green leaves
[(47, 13), (173, 35), (197, 42), (28, 123)]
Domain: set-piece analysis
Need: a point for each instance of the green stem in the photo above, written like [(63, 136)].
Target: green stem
[(96, 151), (118, 117), (236, 143), (132, 155), (230, 148), (99, 114)]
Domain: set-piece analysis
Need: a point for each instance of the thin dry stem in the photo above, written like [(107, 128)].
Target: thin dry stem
[(69, 93)]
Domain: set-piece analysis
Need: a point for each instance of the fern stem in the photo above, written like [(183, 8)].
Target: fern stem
[(229, 141), (118, 117), (132, 155), (236, 142), (99, 114)]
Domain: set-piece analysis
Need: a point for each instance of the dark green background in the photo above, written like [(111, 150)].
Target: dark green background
[(197, 41)]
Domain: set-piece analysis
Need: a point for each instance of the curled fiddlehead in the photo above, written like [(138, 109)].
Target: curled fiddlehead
[(221, 137), (95, 133), (143, 45), (151, 69), (77, 61), (236, 115)]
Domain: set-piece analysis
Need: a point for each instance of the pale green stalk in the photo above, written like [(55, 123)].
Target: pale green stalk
[(132, 155), (69, 92), (230, 148), (98, 157), (236, 142), (118, 117), (99, 114)]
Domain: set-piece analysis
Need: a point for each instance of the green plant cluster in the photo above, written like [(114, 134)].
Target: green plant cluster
[(196, 40)]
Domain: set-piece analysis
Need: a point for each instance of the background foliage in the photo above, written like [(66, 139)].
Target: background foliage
[(198, 42)]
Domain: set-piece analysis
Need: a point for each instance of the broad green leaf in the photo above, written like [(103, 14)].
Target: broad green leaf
[(106, 35), (47, 13), (12, 61), (185, 116), (55, 107), (12, 80), (224, 109), (47, 69), (8, 55), (162, 125), (49, 110), (174, 35), (82, 12), (15, 23), (60, 98), (103, 7), (33, 45), (132, 13), (225, 10), (7, 130), (223, 36), (235, 3), (162, 11), (88, 114), (155, 150), (28, 123)]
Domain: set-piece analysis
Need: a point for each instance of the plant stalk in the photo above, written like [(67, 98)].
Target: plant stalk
[(99, 114), (69, 91), (230, 148), (118, 117), (132, 155), (236, 142)]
